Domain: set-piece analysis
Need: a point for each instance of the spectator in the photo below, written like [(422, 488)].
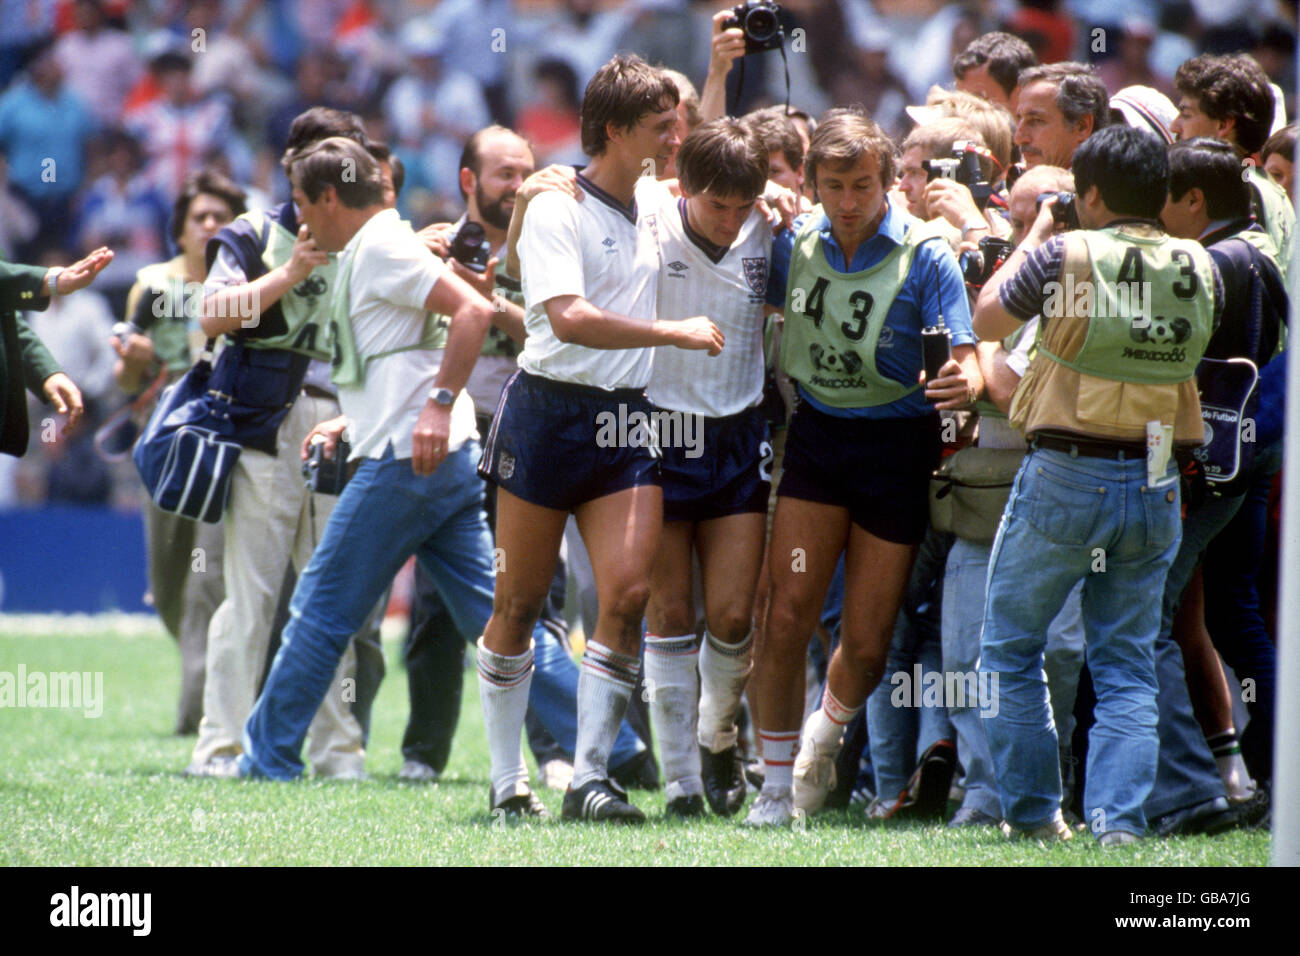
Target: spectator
[(550, 120), (1060, 106), (98, 60), (43, 131), (1278, 156), (990, 67), (180, 129)]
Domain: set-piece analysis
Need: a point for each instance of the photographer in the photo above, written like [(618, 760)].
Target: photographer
[(1110, 379), (931, 195)]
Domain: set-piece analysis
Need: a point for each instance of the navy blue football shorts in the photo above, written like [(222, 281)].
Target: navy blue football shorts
[(559, 445), (714, 467), (879, 469)]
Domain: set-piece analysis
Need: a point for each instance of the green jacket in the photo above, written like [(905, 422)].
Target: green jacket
[(23, 359)]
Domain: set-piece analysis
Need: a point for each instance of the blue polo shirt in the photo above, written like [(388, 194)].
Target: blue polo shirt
[(934, 282)]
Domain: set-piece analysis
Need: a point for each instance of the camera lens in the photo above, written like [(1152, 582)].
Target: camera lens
[(471, 233), (761, 25)]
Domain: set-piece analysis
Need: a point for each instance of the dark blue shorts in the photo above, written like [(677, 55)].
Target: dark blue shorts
[(723, 467), (558, 445), (879, 469)]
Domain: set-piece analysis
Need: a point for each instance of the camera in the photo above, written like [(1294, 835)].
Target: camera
[(1064, 212), (470, 247), (326, 476), (978, 266), (761, 23), (963, 167)]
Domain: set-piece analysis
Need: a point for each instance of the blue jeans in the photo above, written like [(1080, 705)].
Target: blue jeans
[(899, 735), (1071, 519), (1187, 773), (385, 514), (964, 585)]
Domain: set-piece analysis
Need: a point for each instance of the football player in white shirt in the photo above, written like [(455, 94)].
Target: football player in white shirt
[(571, 433), (717, 455)]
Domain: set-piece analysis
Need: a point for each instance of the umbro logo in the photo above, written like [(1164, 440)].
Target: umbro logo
[(678, 266), (607, 242)]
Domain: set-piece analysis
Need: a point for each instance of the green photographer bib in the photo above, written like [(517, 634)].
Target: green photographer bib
[(833, 320), (347, 364), (305, 305), (497, 342), (163, 283), (1149, 308)]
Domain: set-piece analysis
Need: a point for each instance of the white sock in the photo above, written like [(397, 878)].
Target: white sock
[(724, 669), (1227, 755), (673, 684), (606, 680), (503, 684), (825, 725), (779, 749)]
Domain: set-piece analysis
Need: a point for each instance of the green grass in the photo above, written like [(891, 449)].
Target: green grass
[(108, 791)]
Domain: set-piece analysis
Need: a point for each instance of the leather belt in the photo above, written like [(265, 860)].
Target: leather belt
[(1091, 448), (315, 391)]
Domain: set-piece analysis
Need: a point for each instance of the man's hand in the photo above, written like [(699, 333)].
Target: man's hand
[(727, 46), (81, 273), (554, 178), (482, 282), (65, 396), (437, 238), (327, 433), (953, 201), (137, 351), (951, 389), (1044, 226), (306, 256), (780, 206), (695, 334), (429, 440)]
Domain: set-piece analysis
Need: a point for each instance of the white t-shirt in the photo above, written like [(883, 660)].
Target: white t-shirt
[(601, 251), (728, 285), (391, 276)]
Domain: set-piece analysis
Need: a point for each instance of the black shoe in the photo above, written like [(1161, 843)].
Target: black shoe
[(926, 796), (524, 805), (1254, 811), (686, 807), (724, 783), (599, 800), (639, 773), (1207, 817)]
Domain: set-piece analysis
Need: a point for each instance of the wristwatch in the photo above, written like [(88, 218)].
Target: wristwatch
[(443, 396)]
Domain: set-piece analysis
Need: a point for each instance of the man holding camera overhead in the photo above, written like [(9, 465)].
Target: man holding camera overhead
[(1108, 396)]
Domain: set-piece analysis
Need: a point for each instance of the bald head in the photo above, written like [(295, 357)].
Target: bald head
[(1023, 200), (493, 165)]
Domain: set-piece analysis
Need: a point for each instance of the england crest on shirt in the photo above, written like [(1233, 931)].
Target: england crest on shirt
[(756, 273)]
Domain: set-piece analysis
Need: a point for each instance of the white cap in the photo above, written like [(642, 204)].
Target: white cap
[(1145, 108)]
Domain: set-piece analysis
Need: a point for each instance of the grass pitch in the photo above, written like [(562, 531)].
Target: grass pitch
[(84, 791)]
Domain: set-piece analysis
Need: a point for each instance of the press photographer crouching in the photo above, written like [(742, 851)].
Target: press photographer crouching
[(1126, 315)]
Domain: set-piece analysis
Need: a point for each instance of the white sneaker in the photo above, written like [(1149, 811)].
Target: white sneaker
[(223, 766), (771, 809), (814, 776)]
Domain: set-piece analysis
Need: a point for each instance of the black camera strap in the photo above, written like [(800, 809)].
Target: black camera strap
[(740, 83)]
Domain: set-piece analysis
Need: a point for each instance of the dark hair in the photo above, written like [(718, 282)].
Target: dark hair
[(471, 157), (1214, 167), (1232, 86), (318, 123), (777, 132), (344, 164), (1006, 55), (623, 91), (723, 157), (170, 61), (1129, 167), (843, 137), (1283, 142), (1079, 92), (560, 73), (398, 170), (211, 183)]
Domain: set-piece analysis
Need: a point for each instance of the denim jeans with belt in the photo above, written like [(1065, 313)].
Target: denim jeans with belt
[(1071, 518), (385, 514)]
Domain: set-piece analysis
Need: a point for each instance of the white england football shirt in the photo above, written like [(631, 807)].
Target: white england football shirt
[(727, 285), (392, 274), (597, 249)]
